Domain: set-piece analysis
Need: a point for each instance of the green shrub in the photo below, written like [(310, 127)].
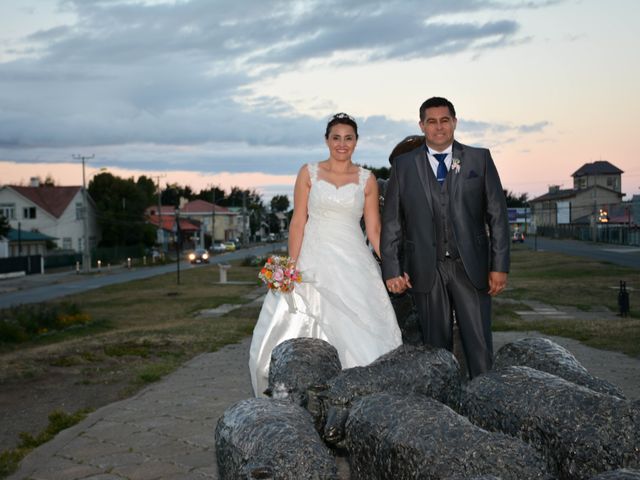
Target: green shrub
[(25, 322)]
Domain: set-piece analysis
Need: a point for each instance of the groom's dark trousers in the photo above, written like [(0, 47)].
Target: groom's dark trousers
[(452, 289)]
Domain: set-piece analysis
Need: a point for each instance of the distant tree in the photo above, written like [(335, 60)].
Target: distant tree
[(173, 192), (274, 223), (170, 196), (380, 172), (280, 203), (212, 195), (121, 206), (148, 189), (4, 226), (49, 181), (515, 200)]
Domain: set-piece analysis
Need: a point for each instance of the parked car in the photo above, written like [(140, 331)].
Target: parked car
[(199, 255), (218, 247), (518, 237), (229, 246)]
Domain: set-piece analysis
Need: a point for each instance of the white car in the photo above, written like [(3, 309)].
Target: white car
[(218, 247)]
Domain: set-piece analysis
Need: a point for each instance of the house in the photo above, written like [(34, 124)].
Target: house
[(52, 211), (600, 173), (164, 220), (596, 190), (26, 243), (198, 219)]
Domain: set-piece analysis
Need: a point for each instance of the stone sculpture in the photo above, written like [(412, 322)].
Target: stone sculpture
[(391, 436), (581, 432), (265, 438)]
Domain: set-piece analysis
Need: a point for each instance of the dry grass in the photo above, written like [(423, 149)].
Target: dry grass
[(562, 280), (141, 324)]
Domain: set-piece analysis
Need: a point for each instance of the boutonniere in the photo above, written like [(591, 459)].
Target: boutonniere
[(455, 165)]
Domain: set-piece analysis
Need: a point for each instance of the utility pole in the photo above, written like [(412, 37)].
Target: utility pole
[(213, 218), (160, 229), (178, 244), (86, 254), (244, 218)]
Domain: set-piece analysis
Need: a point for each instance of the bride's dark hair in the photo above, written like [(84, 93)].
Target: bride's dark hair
[(341, 118)]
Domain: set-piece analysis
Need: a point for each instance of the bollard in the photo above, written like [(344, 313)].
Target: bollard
[(129, 263), (623, 299), (223, 271), (144, 260), (99, 265), (77, 268)]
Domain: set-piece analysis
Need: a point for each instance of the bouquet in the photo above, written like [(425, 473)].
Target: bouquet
[(280, 274)]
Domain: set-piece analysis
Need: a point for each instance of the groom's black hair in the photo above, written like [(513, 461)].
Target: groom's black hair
[(437, 102)]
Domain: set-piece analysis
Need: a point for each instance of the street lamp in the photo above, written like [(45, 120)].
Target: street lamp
[(178, 244)]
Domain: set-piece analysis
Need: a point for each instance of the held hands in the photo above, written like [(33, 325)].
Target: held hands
[(398, 284), (497, 282)]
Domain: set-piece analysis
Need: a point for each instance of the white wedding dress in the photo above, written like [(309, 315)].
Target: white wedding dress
[(342, 298)]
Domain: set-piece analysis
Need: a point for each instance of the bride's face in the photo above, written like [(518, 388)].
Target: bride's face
[(341, 141)]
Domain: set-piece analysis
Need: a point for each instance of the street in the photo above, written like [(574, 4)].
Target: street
[(40, 288), (616, 254)]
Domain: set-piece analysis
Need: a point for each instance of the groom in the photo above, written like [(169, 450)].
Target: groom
[(445, 235)]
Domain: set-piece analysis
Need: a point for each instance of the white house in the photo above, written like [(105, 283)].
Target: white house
[(51, 210)]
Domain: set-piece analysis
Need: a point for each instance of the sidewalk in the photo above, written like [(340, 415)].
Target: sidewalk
[(166, 431)]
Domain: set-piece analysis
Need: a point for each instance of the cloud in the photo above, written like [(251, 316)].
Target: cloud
[(169, 83)]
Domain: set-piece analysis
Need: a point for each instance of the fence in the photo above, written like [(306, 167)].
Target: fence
[(604, 233), (29, 264)]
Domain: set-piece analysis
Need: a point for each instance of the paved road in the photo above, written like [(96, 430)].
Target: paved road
[(40, 288), (617, 254)]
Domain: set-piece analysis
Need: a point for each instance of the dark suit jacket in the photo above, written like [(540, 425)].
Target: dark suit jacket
[(478, 213)]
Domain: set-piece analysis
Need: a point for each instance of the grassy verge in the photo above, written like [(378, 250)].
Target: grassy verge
[(562, 280)]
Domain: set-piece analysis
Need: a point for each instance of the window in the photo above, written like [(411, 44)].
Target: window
[(66, 243), (29, 212), (8, 210), (79, 211)]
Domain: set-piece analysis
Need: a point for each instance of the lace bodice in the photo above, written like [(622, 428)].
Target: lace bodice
[(329, 203)]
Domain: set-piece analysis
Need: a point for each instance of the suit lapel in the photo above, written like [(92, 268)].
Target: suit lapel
[(453, 177), (421, 166)]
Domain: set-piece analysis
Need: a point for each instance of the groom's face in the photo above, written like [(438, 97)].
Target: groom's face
[(438, 127)]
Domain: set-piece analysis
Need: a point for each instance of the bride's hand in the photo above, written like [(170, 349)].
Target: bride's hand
[(397, 284)]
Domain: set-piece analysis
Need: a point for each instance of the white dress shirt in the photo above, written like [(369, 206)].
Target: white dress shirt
[(447, 161)]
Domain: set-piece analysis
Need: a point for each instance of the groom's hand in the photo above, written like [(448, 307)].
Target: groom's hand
[(497, 282), (398, 284)]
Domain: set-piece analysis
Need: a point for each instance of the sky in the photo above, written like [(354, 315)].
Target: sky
[(238, 93)]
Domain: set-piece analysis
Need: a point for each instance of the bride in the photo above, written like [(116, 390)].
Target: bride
[(342, 298)]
